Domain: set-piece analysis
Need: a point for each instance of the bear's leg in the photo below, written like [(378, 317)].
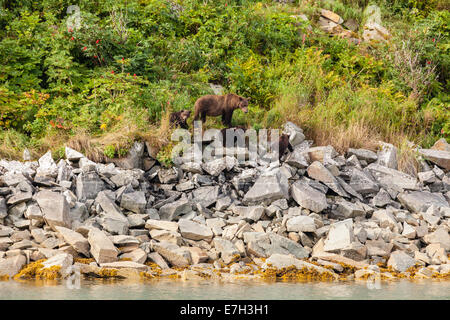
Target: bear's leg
[(228, 116), (203, 116)]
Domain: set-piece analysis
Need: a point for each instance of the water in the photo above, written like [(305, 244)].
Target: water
[(242, 290)]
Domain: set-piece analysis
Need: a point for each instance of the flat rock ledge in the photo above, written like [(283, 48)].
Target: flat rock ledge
[(315, 215)]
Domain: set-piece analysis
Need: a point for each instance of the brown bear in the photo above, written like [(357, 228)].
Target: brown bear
[(224, 135), (180, 118), (215, 105), (283, 144)]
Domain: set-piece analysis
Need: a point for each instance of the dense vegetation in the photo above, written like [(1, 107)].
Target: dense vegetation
[(115, 77)]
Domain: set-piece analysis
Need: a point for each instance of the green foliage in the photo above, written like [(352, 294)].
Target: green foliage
[(130, 62), (110, 151)]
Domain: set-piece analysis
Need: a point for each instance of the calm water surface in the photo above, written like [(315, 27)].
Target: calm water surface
[(203, 290)]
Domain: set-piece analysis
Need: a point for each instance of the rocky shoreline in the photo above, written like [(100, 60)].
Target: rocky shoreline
[(315, 215)]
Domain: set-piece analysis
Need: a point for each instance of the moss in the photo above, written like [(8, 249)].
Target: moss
[(36, 270), (125, 259), (146, 275), (4, 277), (84, 260), (30, 270), (107, 273)]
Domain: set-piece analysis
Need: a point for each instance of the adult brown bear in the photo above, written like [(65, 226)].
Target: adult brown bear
[(179, 118), (215, 105)]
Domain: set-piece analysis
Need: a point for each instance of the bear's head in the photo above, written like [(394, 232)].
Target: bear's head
[(243, 104), (185, 114)]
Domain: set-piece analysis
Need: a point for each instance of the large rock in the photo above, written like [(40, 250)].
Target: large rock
[(206, 196), (267, 189), (330, 15), (439, 157), (175, 255), (281, 261), (174, 209), (215, 167), (393, 179), (387, 155), (295, 133), (420, 201), (318, 172), (124, 264), (88, 186), (322, 154), (363, 154), (47, 167), (297, 159), (300, 224), (400, 261), (12, 265), (339, 236), (252, 213), (263, 245), (75, 239), (134, 158), (161, 225), (113, 220), (72, 154), (62, 260), (194, 231), (363, 183), (134, 201), (3, 208), (350, 209), (442, 145), (55, 208), (308, 197), (440, 236), (102, 248), (228, 251)]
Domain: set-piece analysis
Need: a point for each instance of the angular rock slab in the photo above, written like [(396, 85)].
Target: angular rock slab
[(228, 251), (75, 239), (194, 231), (263, 245), (393, 179), (400, 261), (439, 157), (175, 255), (88, 185), (174, 209), (280, 261), (11, 266), (308, 197), (55, 208), (102, 248), (318, 172), (267, 189), (134, 201), (339, 236), (420, 201)]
